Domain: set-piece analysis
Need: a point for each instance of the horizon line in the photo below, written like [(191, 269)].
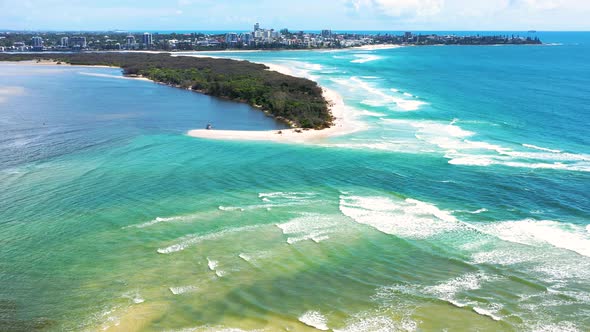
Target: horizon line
[(294, 30)]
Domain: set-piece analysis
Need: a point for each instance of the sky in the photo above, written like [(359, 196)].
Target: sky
[(240, 15)]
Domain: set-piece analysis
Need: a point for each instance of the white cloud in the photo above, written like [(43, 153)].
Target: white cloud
[(544, 4), (399, 8)]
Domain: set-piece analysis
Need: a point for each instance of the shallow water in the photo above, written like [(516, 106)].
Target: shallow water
[(464, 206)]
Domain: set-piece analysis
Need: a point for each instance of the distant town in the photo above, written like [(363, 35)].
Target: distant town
[(258, 38)]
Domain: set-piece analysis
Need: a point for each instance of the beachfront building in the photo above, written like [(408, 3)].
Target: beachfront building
[(147, 40), (231, 38), (37, 43), (78, 42), (130, 42)]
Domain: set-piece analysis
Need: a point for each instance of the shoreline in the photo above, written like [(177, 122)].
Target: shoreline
[(344, 122)]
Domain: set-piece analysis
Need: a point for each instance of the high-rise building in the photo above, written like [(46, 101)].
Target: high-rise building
[(130, 41), (147, 40), (231, 38), (64, 42), (247, 38), (78, 42), (37, 43), (326, 33), (256, 27)]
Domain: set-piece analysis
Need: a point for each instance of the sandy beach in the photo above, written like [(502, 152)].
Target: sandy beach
[(344, 120), (344, 123), (51, 63), (376, 47)]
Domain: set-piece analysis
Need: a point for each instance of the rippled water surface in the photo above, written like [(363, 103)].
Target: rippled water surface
[(463, 206)]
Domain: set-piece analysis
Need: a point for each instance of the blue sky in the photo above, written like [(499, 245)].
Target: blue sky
[(298, 14)]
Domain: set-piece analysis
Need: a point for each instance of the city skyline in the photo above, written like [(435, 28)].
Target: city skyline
[(361, 15)]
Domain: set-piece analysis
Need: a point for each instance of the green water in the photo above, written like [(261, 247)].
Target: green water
[(111, 218)]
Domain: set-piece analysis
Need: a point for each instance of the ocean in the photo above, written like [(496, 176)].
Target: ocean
[(463, 204)]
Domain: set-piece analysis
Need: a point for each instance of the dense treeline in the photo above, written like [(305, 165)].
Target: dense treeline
[(296, 101)]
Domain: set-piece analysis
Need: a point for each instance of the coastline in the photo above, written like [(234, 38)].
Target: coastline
[(344, 122)]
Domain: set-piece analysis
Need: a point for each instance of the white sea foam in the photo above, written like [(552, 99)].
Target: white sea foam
[(245, 257), (380, 96), (212, 264), (363, 58), (487, 313), (555, 327), (134, 296), (369, 113), (309, 226), (460, 150), (402, 217), (448, 290), (230, 208), (530, 146), (272, 200), (190, 240), (378, 323), (545, 232), (315, 319), (182, 290), (254, 256), (286, 195), (163, 220)]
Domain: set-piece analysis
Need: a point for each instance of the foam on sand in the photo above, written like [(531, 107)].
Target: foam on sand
[(212, 264), (309, 226), (448, 290), (190, 240), (486, 313), (315, 319), (253, 257), (182, 290), (135, 297), (378, 323)]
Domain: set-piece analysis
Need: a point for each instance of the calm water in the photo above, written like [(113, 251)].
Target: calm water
[(463, 206)]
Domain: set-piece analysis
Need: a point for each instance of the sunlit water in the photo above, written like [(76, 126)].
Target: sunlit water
[(463, 206)]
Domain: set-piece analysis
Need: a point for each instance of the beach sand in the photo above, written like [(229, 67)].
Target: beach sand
[(344, 123)]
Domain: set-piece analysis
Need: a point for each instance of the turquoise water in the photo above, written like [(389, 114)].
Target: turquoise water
[(463, 206)]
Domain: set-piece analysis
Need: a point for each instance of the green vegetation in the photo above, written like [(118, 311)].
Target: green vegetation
[(293, 100)]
